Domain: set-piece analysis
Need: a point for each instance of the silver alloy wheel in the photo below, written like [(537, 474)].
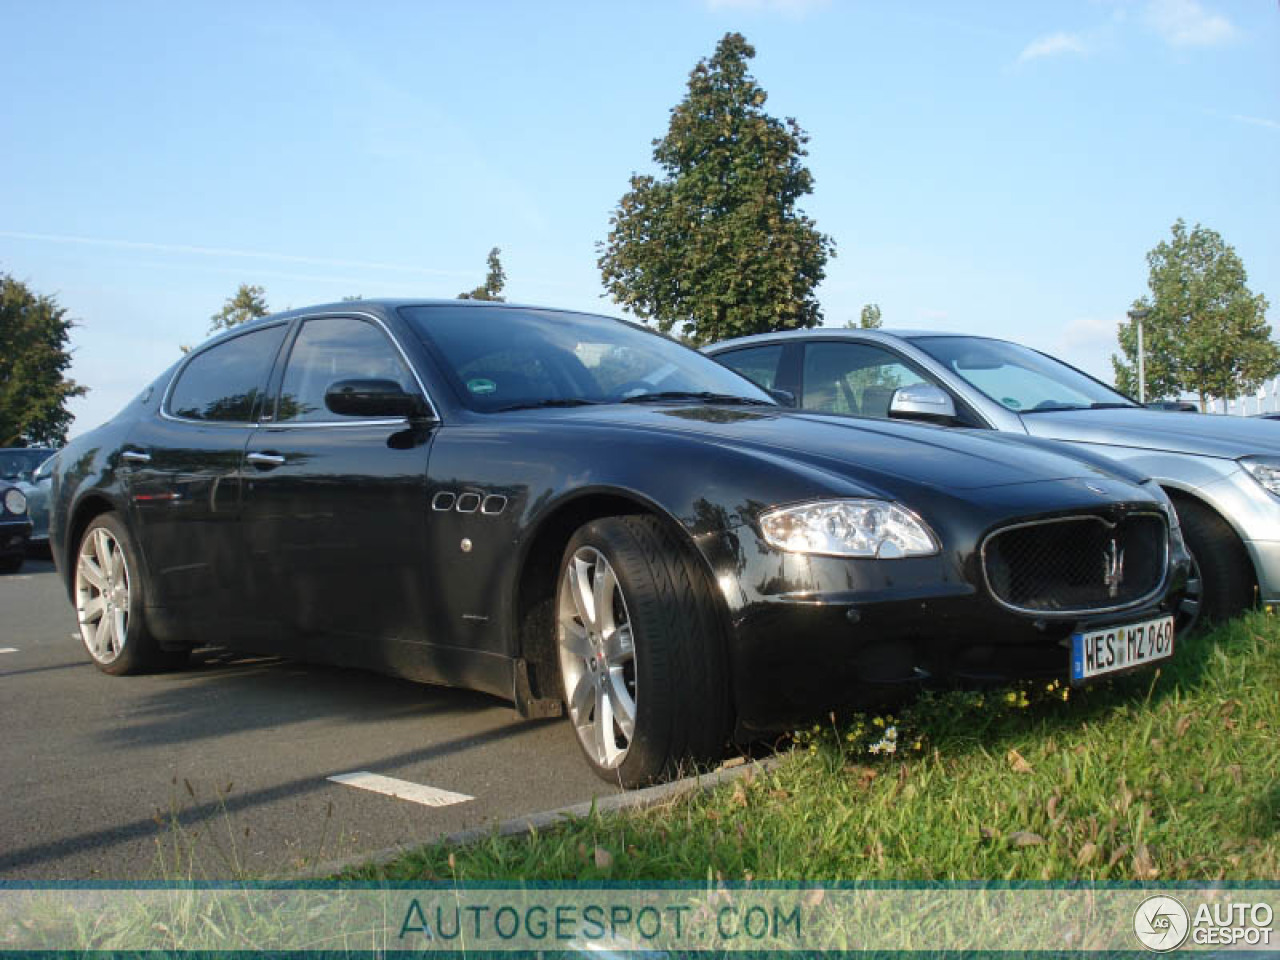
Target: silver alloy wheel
[(102, 596), (597, 657)]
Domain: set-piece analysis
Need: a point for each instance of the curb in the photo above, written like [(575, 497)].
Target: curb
[(530, 823)]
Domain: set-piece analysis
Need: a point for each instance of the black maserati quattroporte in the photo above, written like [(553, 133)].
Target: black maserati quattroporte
[(581, 515)]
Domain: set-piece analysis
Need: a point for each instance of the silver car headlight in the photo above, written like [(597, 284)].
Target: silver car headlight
[(849, 528), (1266, 470), (15, 501)]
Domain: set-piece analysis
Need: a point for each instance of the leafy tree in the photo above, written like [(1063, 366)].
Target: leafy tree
[(869, 320), (249, 303), (34, 357), (494, 281), (716, 247), (1205, 331)]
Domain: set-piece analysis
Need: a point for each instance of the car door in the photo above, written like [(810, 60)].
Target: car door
[(181, 470), (335, 505)]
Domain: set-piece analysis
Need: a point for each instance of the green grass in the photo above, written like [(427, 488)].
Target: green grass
[(1168, 776)]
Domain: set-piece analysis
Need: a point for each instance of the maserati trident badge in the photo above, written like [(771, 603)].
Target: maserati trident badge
[(1113, 569)]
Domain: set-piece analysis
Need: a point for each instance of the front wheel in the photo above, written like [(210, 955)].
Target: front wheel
[(110, 602), (1222, 584), (640, 646)]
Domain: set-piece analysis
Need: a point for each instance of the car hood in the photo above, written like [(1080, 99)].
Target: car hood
[(1195, 433), (933, 456)]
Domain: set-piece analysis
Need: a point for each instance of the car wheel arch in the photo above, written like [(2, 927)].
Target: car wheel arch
[(532, 623)]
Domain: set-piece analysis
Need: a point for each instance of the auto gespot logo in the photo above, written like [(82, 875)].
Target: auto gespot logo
[(1162, 924)]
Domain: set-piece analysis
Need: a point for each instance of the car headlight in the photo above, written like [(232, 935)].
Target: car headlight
[(15, 501), (848, 528), (1266, 470)]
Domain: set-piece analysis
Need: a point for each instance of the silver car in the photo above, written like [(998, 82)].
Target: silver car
[(1222, 473)]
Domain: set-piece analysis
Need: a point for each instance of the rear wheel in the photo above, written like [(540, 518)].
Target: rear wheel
[(11, 564), (640, 646), (110, 603), (1222, 583)]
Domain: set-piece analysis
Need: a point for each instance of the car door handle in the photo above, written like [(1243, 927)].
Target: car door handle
[(135, 456), (265, 461)]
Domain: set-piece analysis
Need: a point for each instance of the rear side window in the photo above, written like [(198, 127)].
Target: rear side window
[(757, 364), (225, 383)]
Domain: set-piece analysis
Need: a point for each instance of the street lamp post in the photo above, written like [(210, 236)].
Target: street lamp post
[(1137, 316)]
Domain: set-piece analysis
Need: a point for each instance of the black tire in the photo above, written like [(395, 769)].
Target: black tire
[(1220, 562), (681, 696), (11, 564), (128, 646)]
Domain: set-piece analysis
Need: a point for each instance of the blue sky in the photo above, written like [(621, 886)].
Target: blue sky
[(1000, 168)]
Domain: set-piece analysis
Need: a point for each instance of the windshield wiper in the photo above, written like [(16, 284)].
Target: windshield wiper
[(1112, 405), (548, 402), (703, 396)]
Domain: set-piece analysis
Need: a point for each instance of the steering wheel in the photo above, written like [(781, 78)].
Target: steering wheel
[(1049, 405)]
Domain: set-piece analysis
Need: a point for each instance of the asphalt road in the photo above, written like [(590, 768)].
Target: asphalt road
[(220, 771)]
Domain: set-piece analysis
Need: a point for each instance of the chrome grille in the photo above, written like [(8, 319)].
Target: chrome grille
[(1081, 564)]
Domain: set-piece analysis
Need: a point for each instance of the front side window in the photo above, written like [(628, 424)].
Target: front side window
[(757, 364), (855, 379), (330, 349), (225, 383), (1017, 377), (510, 357)]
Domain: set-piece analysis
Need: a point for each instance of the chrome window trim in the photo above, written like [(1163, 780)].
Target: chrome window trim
[(1089, 611)]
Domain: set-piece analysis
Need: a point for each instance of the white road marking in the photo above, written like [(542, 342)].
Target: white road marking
[(8, 649), (401, 789)]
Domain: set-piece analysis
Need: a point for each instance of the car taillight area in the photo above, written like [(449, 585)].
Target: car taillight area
[(1077, 565)]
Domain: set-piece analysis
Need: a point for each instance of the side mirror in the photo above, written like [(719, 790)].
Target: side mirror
[(784, 397), (372, 398), (922, 401)]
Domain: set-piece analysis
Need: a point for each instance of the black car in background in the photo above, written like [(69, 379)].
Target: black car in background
[(576, 513), (15, 527)]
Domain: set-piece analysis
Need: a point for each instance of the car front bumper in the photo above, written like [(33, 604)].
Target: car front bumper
[(14, 535), (823, 633)]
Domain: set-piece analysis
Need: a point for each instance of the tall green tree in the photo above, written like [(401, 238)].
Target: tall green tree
[(249, 303), (1205, 331), (869, 318), (494, 281), (715, 247), (35, 334)]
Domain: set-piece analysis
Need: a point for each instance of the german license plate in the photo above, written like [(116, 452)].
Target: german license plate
[(1096, 653)]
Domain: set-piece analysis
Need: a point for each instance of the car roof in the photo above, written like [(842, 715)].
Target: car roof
[(827, 333)]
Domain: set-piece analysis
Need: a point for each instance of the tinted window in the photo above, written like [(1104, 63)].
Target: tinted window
[(329, 349), (224, 383), (757, 364), (853, 378), (510, 357)]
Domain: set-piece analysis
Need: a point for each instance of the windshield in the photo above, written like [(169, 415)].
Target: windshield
[(513, 357), (20, 463), (1017, 377)]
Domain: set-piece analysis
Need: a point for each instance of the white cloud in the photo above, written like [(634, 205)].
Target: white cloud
[(1088, 332), (1185, 23), (1053, 45), (792, 8), (1256, 121)]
